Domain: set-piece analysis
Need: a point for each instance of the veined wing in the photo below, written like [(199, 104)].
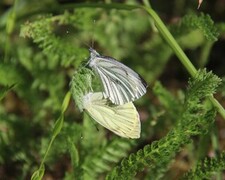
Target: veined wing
[(121, 84), (123, 120)]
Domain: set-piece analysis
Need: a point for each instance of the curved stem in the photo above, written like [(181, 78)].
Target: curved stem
[(172, 42), (180, 53)]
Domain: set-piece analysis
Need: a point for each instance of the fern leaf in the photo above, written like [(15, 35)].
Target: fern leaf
[(58, 50), (206, 168), (103, 161), (158, 156), (81, 84), (202, 22)]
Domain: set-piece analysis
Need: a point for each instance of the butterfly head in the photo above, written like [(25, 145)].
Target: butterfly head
[(93, 53)]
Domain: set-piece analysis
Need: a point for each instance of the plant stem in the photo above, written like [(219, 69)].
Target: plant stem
[(147, 3), (180, 53), (172, 42), (57, 128)]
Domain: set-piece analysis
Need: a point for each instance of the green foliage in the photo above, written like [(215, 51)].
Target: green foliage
[(74, 153), (200, 29), (222, 87), (206, 168), (107, 156), (9, 74), (57, 49), (207, 89), (194, 120), (168, 101), (202, 22), (38, 174), (81, 84), (42, 44), (4, 90)]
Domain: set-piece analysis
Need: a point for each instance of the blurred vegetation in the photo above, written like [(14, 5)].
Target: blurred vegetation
[(42, 44)]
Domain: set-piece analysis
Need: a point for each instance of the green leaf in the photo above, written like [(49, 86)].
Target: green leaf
[(38, 175), (65, 102), (80, 85), (207, 167), (73, 153), (194, 120), (204, 23), (58, 126), (10, 74), (203, 84), (59, 123), (4, 90)]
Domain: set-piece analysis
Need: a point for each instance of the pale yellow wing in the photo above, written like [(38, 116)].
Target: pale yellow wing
[(123, 120)]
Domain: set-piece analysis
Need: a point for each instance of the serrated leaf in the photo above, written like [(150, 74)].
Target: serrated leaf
[(203, 84), (203, 23)]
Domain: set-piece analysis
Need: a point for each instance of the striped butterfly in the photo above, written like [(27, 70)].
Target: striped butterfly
[(121, 84), (123, 120)]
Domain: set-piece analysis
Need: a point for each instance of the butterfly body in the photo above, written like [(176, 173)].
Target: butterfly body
[(121, 84)]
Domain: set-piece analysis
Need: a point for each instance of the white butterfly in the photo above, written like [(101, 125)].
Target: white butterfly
[(123, 120), (121, 84)]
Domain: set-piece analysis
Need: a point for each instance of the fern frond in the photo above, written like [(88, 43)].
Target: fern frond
[(80, 85), (159, 154), (58, 50), (169, 102), (203, 22), (204, 84), (106, 157), (206, 168)]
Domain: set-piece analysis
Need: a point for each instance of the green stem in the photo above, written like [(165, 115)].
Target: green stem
[(180, 54), (9, 29), (215, 146), (172, 42), (205, 52), (47, 151), (218, 106), (147, 4), (58, 125), (57, 128)]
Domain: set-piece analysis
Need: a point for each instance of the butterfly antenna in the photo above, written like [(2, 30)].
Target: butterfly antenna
[(86, 44), (92, 39)]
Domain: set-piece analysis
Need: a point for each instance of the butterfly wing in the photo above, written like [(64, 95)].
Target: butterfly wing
[(121, 84), (123, 120)]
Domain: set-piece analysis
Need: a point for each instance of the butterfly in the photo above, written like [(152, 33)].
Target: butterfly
[(121, 84), (123, 120)]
